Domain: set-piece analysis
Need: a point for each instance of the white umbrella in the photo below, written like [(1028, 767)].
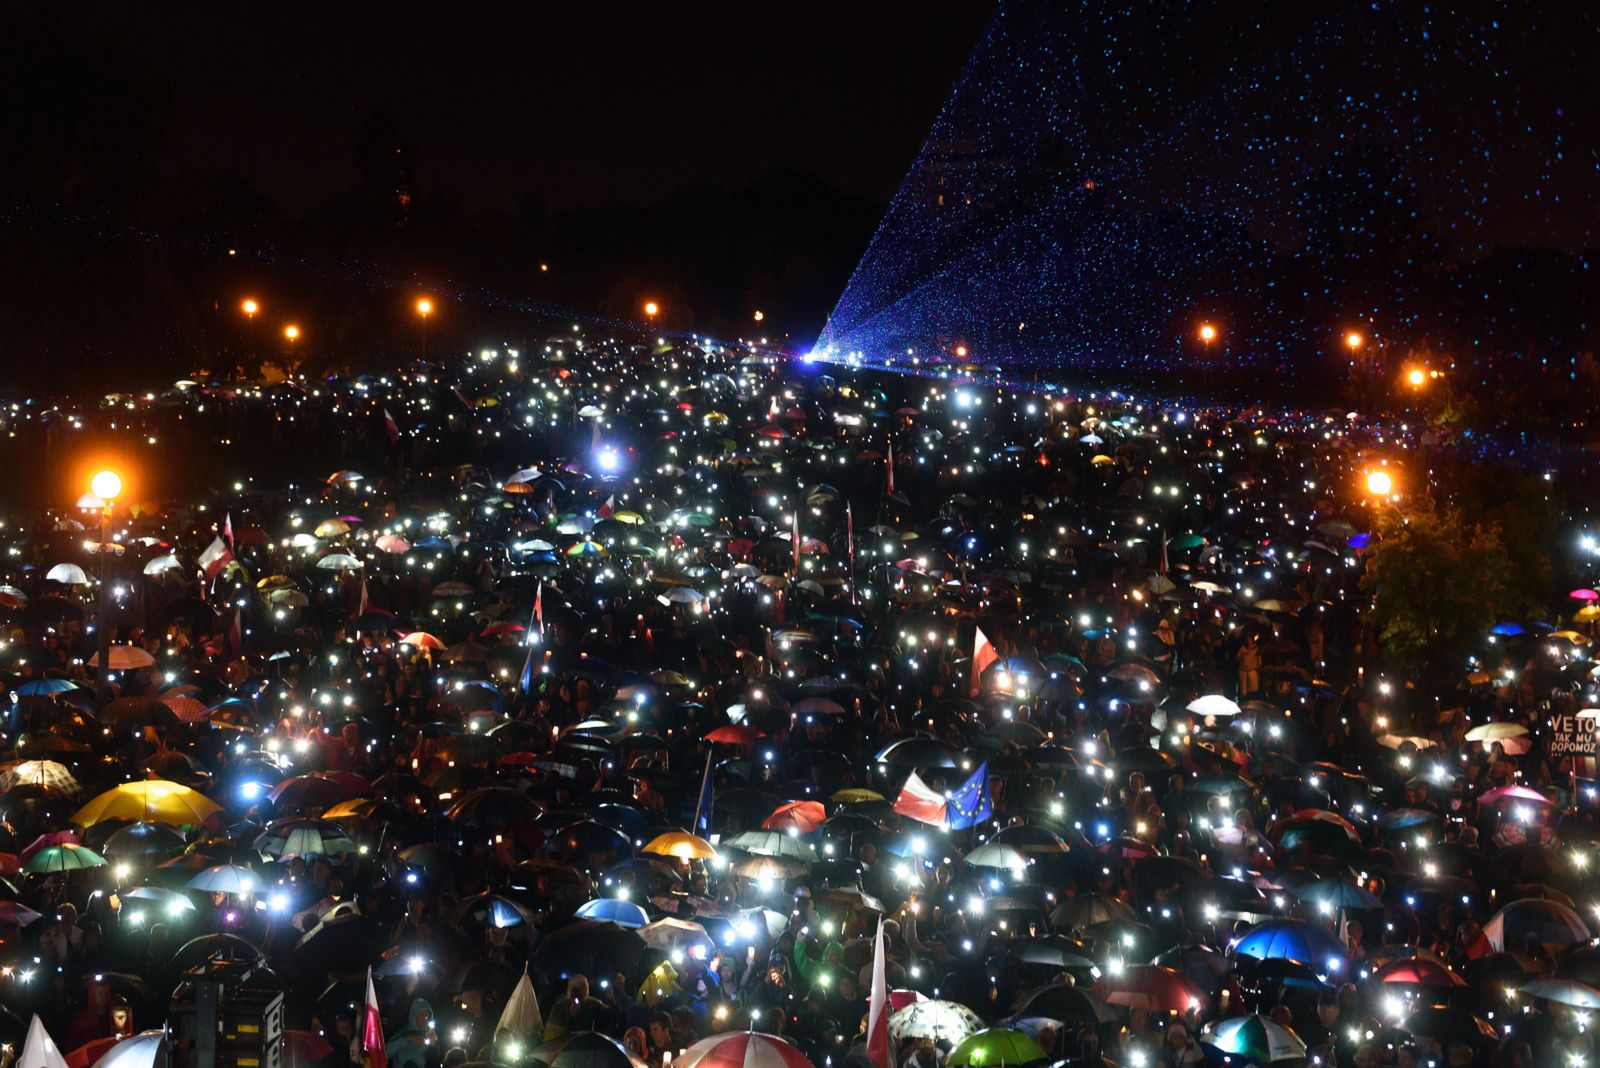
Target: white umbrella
[(70, 574), (39, 1050), (158, 564), (339, 562), (668, 934), (143, 1050), (997, 855), (226, 879), (125, 658), (942, 1021), (1213, 704)]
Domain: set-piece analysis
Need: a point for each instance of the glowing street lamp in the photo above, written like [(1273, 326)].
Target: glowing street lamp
[(1379, 482), (250, 307), (760, 315), (1208, 333), (292, 333), (1417, 377), (106, 485), (1353, 340), (651, 309), (424, 312)]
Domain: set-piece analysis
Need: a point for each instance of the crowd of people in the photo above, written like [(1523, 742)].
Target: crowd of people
[(626, 699)]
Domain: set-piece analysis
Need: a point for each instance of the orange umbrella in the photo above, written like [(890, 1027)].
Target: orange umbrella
[(803, 816), (421, 639)]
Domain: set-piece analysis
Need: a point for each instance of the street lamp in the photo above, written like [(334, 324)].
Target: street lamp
[(651, 309), (1417, 377), (106, 485), (292, 333), (1379, 482), (424, 310), (760, 315), (1353, 340), (250, 307), (1208, 333)]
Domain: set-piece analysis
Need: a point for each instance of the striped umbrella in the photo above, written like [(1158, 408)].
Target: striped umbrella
[(743, 1049), (1255, 1037)]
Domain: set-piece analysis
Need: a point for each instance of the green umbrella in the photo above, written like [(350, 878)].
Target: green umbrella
[(1186, 541), (65, 857), (995, 1046), (1255, 1037)]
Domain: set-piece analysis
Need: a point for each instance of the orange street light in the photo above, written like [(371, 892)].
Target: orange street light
[(250, 307), (651, 308), (1353, 340), (106, 485), (760, 315), (292, 332), (1379, 482), (424, 307), (1208, 333), (1417, 377)]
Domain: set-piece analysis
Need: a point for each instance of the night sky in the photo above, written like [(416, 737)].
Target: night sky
[(577, 103)]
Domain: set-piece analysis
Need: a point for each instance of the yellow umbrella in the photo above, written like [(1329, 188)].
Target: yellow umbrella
[(631, 518), (332, 528), (153, 801), (276, 582), (681, 844), (1101, 459), (855, 795), (1587, 614)]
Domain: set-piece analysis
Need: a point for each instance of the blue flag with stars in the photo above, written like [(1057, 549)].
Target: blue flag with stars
[(969, 803)]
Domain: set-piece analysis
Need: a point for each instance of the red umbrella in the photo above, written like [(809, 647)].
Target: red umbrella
[(503, 627), (735, 734), (743, 1049), (1152, 988), (1502, 795), (899, 999), (45, 841), (187, 709), (803, 816), (1419, 971)]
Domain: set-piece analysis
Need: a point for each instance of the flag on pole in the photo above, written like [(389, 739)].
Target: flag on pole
[(372, 1030), (983, 654), (702, 807), (794, 537), (362, 603), (969, 804), (888, 479), (217, 556), (609, 509), (878, 1006), (538, 609), (227, 528), (391, 426), (39, 1050), (521, 1015), (535, 641), (850, 541), (236, 632), (921, 802)]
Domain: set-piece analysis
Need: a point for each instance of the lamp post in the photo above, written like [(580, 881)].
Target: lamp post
[(424, 310), (105, 485)]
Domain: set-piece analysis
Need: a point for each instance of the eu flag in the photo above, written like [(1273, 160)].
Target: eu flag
[(969, 803)]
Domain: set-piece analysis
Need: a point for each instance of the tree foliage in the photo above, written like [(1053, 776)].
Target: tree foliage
[(1438, 580)]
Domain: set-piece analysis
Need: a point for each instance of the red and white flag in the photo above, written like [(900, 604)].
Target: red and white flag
[(795, 538), (921, 802), (983, 654), (888, 478), (236, 632), (227, 528), (372, 1030), (609, 508), (538, 607), (391, 426), (363, 603), (216, 557), (878, 1007)]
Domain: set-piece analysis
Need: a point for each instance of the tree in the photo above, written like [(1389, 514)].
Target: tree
[(1437, 582)]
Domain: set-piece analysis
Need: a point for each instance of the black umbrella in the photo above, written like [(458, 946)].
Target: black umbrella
[(590, 947), (582, 1049)]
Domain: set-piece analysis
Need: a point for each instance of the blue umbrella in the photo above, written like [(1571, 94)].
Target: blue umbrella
[(614, 910), (44, 687), (1291, 940), (1338, 895), (1506, 629)]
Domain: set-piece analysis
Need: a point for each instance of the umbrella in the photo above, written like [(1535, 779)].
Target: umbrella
[(1213, 705), (803, 816), (945, 1022), (153, 801), (680, 844), (304, 838), (521, 1015), (1564, 992), (997, 855), (64, 857), (614, 910), (142, 1050), (996, 1046), (1152, 988), (1418, 971), (582, 1049), (39, 1050), (1256, 1038), (226, 879), (1290, 940), (1534, 918), (125, 658), (742, 1049), (46, 773)]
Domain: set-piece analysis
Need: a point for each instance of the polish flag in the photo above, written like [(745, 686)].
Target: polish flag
[(227, 528), (216, 557), (921, 802), (888, 482), (391, 426), (983, 654), (236, 632), (609, 509), (878, 1007), (372, 1030)]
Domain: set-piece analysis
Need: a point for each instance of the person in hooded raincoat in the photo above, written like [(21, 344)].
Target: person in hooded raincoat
[(411, 1046)]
